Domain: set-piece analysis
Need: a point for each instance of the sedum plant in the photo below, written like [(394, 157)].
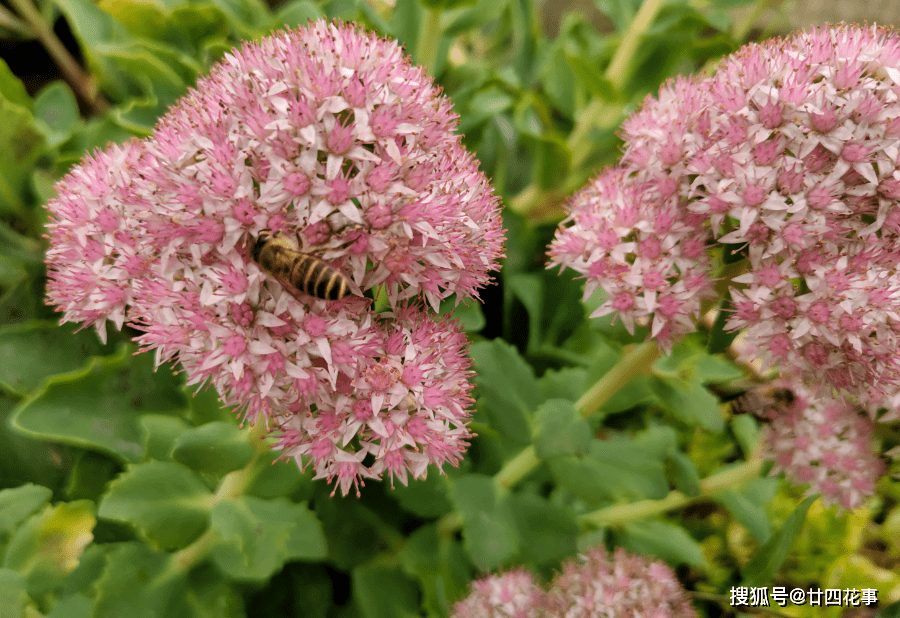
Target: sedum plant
[(332, 225)]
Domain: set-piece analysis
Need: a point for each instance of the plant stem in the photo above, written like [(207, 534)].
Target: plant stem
[(709, 487), (81, 82), (429, 40), (636, 361), (9, 21), (598, 113)]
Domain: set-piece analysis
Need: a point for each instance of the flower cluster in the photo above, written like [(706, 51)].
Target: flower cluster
[(330, 136), (789, 154), (823, 443), (598, 586), (788, 158), (513, 594)]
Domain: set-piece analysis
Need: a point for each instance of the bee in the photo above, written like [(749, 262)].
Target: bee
[(281, 258), (764, 401)]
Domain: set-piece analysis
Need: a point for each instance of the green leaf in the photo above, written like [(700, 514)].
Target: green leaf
[(19, 503), (559, 81), (383, 592), (468, 19), (612, 470), (689, 401), (748, 505), (426, 497), (671, 543), (24, 460), (21, 143), (56, 111), (566, 383), (553, 161), (128, 65), (485, 104), (592, 77), (215, 448), (746, 431), (440, 564), (73, 606), (12, 89), (162, 433), (31, 352), (166, 503), (271, 477), (529, 290), (294, 14), (258, 536), (48, 546), (507, 388), (311, 592), (353, 530), (13, 596), (560, 430), (90, 475), (549, 532), (489, 530), (769, 558), (468, 312), (99, 407), (684, 474), (155, 585)]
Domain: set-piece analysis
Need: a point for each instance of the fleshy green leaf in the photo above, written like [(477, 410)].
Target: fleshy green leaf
[(13, 596), (166, 503), (549, 532), (258, 536), (507, 388), (691, 402), (612, 470), (215, 448), (31, 352), (440, 564), (489, 530), (21, 143), (671, 543), (18, 503), (425, 498), (12, 89), (384, 592), (99, 407), (560, 430), (748, 506), (56, 110), (298, 13), (155, 586), (49, 545)]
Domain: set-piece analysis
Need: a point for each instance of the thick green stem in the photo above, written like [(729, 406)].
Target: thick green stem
[(232, 485), (429, 40), (599, 113), (636, 361), (81, 82), (710, 486)]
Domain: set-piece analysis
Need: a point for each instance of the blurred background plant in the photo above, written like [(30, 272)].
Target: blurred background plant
[(125, 493)]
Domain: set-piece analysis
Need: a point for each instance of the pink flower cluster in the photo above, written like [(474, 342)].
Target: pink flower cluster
[(789, 155), (330, 136), (599, 586), (823, 443)]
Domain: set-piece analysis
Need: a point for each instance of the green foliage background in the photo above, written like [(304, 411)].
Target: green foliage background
[(124, 493)]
